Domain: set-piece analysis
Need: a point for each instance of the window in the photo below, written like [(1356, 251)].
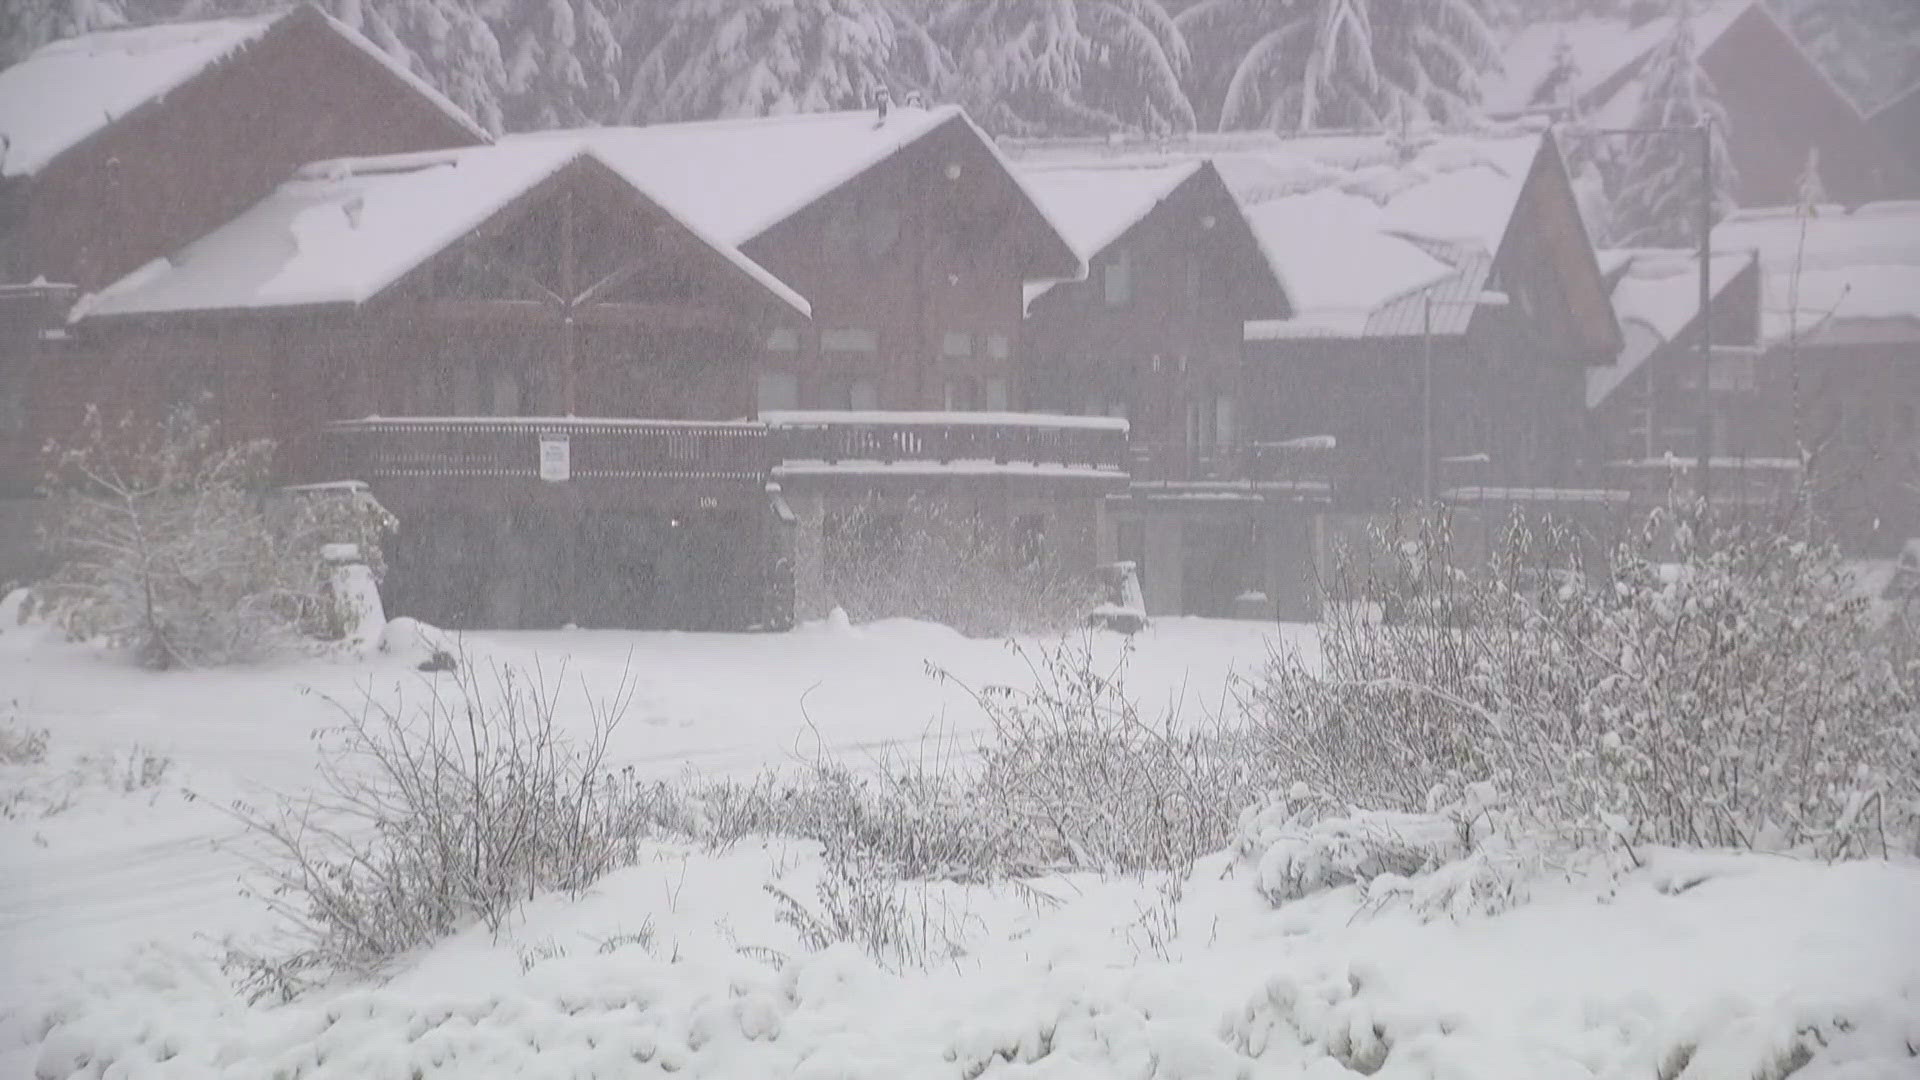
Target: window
[(999, 347), (957, 345), (960, 396), (863, 395), (779, 391), (1118, 279), (995, 398), (865, 342), (1224, 432), (784, 339)]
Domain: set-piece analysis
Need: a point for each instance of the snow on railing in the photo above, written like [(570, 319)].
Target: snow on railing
[(745, 451)]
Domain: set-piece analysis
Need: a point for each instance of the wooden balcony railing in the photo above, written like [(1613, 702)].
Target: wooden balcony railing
[(941, 438), (510, 447), (725, 452)]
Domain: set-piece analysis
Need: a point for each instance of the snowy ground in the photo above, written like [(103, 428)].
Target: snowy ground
[(111, 907)]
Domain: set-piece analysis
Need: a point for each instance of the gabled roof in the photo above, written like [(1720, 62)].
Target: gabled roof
[(342, 232), (1656, 298), (1094, 204), (735, 179), (1836, 275), (1352, 224), (1601, 49), (67, 91)]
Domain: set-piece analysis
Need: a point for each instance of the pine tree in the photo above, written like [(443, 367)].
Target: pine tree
[(563, 63), (446, 42), (1032, 67), (704, 59), (1658, 199), (25, 25), (1305, 64)]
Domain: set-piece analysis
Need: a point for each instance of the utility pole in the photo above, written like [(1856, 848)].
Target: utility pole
[(1706, 313), (1426, 409)]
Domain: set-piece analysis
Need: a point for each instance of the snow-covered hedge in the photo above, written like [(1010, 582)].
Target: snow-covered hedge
[(1730, 693)]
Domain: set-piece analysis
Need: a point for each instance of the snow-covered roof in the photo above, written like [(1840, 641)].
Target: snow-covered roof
[(341, 232), (69, 90), (1656, 296), (1834, 269), (1599, 49), (1094, 204), (1353, 223), (735, 179)]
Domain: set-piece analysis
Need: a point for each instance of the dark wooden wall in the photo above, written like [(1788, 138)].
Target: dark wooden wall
[(1780, 106), (912, 255), (1174, 342), (179, 167)]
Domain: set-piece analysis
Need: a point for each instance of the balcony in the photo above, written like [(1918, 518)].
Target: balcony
[(712, 453), (951, 443), (508, 448)]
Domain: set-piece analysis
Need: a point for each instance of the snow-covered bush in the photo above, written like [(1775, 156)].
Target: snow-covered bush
[(926, 559), (424, 819), (1699, 692), (1083, 778), (170, 544), (1470, 856)]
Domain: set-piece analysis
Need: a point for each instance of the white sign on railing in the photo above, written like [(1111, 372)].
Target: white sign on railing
[(556, 458)]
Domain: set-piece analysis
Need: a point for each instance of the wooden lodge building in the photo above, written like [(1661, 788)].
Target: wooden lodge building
[(619, 377), (550, 355), (1278, 396), (1782, 108)]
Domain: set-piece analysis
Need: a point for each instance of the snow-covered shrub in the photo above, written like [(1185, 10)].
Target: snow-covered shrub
[(1728, 692), (35, 783), (424, 819), (20, 745), (860, 902), (1468, 856), (923, 558), (1071, 776), (170, 545), (1082, 778)]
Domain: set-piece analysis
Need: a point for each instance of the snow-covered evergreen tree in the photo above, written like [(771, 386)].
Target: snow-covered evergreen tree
[(703, 59), (1068, 66), (1658, 195), (1304, 64), (564, 63), (25, 25)]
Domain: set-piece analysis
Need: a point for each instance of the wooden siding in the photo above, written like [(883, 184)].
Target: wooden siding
[(1512, 388), (1167, 354), (910, 255), (175, 169), (1780, 107)]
